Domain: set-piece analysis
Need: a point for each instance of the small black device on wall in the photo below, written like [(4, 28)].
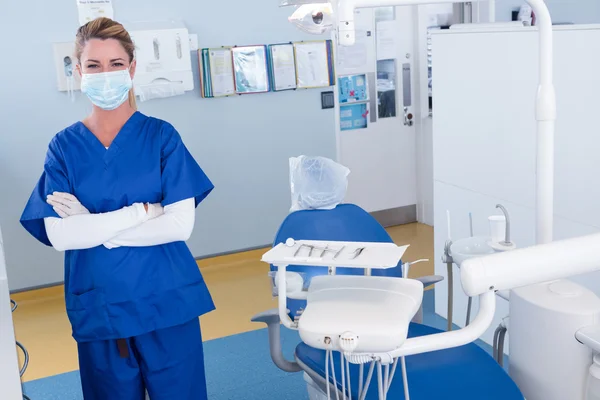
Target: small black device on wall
[(327, 100)]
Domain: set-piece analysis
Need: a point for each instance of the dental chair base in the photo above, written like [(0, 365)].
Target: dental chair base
[(459, 373), (546, 360)]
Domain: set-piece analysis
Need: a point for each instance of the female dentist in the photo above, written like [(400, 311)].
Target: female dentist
[(118, 195)]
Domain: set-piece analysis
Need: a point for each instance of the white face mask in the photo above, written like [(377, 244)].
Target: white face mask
[(315, 19), (107, 90)]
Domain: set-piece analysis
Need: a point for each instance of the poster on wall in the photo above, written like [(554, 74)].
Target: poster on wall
[(353, 116), (356, 57), (353, 88), (89, 10)]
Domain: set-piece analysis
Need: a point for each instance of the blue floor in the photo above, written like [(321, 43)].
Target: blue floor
[(238, 367)]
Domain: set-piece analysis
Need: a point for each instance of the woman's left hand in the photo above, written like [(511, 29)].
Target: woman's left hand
[(66, 205)]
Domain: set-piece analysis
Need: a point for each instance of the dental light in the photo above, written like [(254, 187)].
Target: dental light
[(314, 17)]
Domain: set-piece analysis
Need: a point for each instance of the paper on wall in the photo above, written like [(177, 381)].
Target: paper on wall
[(313, 64), (386, 40), (89, 10), (355, 57), (284, 67), (221, 69)]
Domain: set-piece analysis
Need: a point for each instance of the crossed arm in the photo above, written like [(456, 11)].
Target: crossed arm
[(133, 226)]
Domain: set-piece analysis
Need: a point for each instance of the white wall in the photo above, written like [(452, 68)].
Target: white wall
[(427, 15), (573, 11), (484, 138), (579, 12)]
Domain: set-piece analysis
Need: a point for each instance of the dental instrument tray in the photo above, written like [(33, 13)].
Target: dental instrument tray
[(335, 254), (358, 314)]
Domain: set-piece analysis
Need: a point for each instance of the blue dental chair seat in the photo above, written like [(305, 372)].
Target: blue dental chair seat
[(466, 373), (460, 373)]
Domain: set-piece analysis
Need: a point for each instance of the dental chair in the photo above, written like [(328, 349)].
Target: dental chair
[(466, 372)]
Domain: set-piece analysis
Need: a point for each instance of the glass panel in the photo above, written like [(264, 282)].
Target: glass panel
[(386, 88), (385, 14), (386, 70), (440, 16)]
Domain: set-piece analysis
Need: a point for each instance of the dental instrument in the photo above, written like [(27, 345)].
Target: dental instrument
[(324, 250), (358, 252), (291, 243), (298, 250), (338, 253)]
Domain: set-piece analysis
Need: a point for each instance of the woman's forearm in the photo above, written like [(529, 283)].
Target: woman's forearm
[(174, 225), (85, 231)]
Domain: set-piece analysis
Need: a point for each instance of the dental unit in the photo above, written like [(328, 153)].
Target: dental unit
[(368, 312)]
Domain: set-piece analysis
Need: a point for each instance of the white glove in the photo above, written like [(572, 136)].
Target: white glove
[(155, 210), (65, 204)]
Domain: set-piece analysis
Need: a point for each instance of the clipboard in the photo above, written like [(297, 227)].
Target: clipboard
[(282, 61), (251, 69), (314, 64), (216, 72), (221, 72)]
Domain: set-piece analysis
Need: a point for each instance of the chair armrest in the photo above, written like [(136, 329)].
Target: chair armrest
[(427, 281), (271, 318), (430, 280)]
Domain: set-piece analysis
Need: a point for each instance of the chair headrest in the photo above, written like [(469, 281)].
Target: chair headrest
[(317, 183)]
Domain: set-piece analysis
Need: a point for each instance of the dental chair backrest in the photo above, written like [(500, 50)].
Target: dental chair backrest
[(346, 222)]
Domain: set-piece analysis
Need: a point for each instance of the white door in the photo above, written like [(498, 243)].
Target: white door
[(382, 154)]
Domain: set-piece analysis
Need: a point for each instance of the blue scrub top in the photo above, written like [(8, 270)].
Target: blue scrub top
[(126, 291)]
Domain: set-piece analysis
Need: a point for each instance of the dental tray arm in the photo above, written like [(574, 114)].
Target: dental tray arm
[(447, 340), (271, 318), (531, 265), (508, 271), (589, 336)]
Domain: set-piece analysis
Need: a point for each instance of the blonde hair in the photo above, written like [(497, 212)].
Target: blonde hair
[(105, 28)]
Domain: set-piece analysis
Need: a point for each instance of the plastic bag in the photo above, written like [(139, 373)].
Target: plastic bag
[(315, 19), (317, 183)]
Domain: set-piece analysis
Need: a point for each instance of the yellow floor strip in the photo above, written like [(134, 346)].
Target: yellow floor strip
[(238, 283)]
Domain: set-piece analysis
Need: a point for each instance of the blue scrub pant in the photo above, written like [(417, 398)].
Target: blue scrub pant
[(168, 363)]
